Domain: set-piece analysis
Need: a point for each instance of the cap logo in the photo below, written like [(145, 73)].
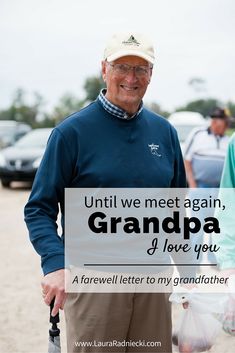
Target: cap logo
[(131, 41)]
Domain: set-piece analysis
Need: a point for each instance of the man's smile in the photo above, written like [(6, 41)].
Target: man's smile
[(128, 88)]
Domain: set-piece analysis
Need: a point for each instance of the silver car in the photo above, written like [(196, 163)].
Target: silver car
[(11, 131), (21, 161)]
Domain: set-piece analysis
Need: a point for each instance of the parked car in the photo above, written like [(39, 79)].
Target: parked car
[(11, 131), (21, 161), (185, 122)]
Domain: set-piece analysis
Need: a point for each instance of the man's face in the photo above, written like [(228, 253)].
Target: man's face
[(126, 90), (219, 126)]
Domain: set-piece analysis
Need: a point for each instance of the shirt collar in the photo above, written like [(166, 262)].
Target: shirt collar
[(114, 110)]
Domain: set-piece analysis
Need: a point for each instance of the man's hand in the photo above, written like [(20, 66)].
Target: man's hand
[(53, 286), (188, 286)]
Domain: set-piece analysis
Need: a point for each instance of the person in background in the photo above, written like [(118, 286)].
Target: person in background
[(205, 150), (113, 142), (226, 242), (226, 239)]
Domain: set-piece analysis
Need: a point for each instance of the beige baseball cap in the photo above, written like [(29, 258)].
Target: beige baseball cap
[(123, 44)]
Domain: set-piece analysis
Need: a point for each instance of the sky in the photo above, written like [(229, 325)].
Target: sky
[(52, 46)]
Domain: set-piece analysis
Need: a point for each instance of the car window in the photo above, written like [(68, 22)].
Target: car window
[(6, 130)]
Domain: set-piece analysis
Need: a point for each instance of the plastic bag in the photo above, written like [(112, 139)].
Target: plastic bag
[(201, 302), (197, 332), (198, 327), (229, 317)]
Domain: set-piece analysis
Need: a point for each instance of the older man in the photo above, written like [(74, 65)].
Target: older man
[(111, 143)]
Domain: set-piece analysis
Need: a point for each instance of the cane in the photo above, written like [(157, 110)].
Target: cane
[(54, 331)]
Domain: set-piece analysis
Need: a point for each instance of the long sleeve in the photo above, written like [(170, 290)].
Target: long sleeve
[(41, 211)]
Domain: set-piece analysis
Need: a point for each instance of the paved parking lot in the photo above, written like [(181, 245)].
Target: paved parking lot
[(23, 315)]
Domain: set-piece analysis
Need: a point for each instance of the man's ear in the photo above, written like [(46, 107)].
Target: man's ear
[(103, 70), (150, 75)]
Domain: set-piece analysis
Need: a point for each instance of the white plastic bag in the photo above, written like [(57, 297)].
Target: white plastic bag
[(201, 302), (198, 327), (229, 317), (197, 332)]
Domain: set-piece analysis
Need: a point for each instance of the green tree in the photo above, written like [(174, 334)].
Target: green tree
[(67, 105), (203, 106), (231, 106), (92, 87), (20, 111), (157, 109)]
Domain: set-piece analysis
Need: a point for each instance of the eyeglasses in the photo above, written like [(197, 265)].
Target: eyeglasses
[(124, 69)]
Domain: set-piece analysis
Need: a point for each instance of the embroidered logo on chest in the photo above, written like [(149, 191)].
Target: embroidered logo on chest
[(155, 149)]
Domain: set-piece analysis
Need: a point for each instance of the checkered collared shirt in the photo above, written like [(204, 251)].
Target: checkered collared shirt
[(113, 109)]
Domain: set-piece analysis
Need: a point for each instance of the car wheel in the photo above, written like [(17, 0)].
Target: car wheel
[(5, 183)]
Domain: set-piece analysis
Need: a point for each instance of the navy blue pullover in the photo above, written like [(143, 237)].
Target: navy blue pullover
[(93, 148)]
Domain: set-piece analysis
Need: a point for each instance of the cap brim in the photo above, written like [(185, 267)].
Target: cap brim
[(122, 53), (220, 117)]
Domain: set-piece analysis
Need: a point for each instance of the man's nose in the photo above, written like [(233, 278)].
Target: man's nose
[(131, 75)]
